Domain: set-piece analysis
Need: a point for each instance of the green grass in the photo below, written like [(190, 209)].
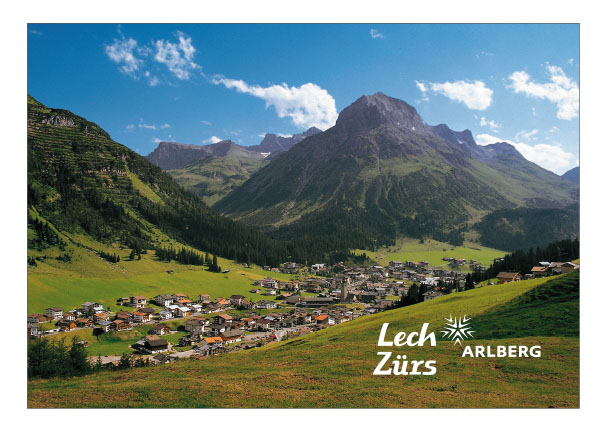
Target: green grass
[(433, 251), (90, 278), (333, 368)]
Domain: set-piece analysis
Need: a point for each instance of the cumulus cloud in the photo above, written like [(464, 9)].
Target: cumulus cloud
[(212, 140), (475, 95), (375, 34), (493, 125), (560, 90), (548, 156), (177, 57), (307, 105), (123, 53)]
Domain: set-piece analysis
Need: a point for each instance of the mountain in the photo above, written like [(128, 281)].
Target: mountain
[(380, 172), (213, 171), (572, 175), (276, 143), (174, 155), (86, 189), (214, 176)]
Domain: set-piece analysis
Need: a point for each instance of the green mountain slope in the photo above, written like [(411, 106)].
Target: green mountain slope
[(381, 172), (214, 177), (334, 367), (82, 183)]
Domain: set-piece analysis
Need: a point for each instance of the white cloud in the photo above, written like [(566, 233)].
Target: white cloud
[(165, 126), (484, 54), (571, 61), (493, 125), (122, 53), (475, 95), (130, 126), (206, 122), (534, 111), (527, 135), (262, 135), (157, 140), (212, 140), (554, 129), (36, 32), (561, 90), (152, 80), (146, 126), (285, 135), (375, 34), (178, 57), (307, 105), (550, 157)]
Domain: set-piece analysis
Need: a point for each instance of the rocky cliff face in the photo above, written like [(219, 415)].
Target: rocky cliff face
[(275, 143)]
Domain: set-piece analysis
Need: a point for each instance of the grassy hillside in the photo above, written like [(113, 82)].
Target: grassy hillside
[(433, 251), (333, 368), (88, 277), (215, 177)]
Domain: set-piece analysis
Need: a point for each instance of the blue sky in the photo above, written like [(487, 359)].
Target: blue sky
[(199, 83)]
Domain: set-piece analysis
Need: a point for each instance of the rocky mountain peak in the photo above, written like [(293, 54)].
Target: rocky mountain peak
[(368, 112)]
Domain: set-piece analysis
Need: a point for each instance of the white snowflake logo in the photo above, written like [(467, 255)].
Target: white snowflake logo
[(457, 329)]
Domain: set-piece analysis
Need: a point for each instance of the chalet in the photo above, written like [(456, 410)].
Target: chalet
[(137, 301), (160, 329), (179, 297), (66, 325), (124, 315), (324, 319), (100, 316), (152, 344), (266, 304), (164, 299), (69, 316), (539, 271), (223, 302), (141, 317), (263, 324), (149, 311), (195, 325), (395, 264), (84, 322), (270, 283), (54, 312), (431, 295), (216, 341), (223, 319), (184, 302), (120, 325), (123, 300), (315, 268), (92, 307), (231, 336), (36, 318), (105, 325), (505, 277), (249, 323), (33, 329), (195, 307), (182, 312), (246, 304), (166, 314), (203, 297), (270, 291), (236, 299), (290, 267)]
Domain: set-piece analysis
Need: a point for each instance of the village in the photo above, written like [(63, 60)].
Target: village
[(320, 297)]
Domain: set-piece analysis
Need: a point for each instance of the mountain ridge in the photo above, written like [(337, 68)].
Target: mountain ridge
[(381, 163)]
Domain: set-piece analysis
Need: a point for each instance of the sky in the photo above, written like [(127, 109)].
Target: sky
[(198, 84)]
